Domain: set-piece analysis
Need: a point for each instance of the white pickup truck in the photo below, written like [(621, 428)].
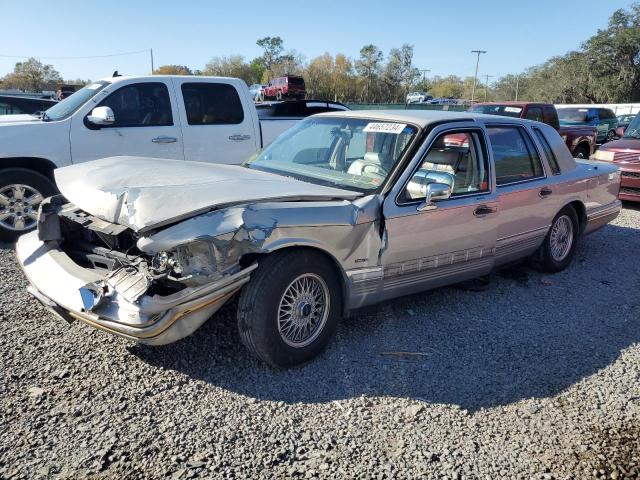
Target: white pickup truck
[(205, 119)]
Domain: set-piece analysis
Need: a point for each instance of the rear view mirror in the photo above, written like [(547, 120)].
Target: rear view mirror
[(101, 117)]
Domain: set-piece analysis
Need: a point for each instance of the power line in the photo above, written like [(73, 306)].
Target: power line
[(77, 58)]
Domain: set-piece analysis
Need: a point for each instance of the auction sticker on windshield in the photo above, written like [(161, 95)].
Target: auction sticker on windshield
[(380, 127)]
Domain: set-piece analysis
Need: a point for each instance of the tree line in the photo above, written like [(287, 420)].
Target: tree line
[(604, 69)]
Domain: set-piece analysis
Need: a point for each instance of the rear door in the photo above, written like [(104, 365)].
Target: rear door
[(524, 197), (145, 124), (219, 122)]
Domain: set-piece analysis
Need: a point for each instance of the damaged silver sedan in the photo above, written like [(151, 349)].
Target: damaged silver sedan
[(343, 210)]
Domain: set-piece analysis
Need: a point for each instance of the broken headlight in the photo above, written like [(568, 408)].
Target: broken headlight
[(194, 260)]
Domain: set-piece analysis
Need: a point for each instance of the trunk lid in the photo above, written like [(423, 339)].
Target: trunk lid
[(143, 193)]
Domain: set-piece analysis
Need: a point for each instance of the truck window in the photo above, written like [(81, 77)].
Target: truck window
[(515, 157), (454, 158), (140, 105), (548, 151), (550, 116), (534, 113), (212, 104)]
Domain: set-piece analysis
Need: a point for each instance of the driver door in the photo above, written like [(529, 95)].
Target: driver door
[(453, 239)]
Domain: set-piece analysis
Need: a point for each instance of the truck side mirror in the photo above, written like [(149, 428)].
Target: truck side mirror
[(101, 117)]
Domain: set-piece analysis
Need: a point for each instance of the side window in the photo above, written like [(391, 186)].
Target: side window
[(456, 159), (548, 151), (515, 157), (140, 105), (534, 113), (212, 104), (551, 116)]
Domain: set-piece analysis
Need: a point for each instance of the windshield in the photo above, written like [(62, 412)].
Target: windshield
[(573, 115), (503, 110), (633, 130), (349, 153), (70, 104)]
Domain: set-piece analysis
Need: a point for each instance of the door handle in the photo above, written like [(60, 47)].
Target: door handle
[(483, 210), (545, 192), (164, 139), (239, 137)]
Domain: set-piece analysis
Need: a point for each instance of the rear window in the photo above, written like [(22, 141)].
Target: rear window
[(212, 104), (548, 152), (502, 110), (296, 81)]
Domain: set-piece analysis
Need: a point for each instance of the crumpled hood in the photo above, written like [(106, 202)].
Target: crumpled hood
[(22, 118), (144, 193)]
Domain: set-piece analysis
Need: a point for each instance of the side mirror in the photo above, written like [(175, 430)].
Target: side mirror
[(101, 117), (434, 192)]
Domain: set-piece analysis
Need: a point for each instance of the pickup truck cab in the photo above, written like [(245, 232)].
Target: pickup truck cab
[(343, 210), (203, 119), (580, 139), (603, 119)]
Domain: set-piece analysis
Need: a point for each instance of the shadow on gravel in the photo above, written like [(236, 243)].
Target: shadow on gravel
[(527, 335)]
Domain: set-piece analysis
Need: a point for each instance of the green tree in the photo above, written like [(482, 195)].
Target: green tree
[(369, 67), (230, 66), (32, 75), (273, 48)]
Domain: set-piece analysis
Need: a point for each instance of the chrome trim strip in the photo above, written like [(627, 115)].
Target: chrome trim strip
[(604, 210)]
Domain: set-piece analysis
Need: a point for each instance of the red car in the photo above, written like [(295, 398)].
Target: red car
[(285, 87), (580, 139), (625, 153)]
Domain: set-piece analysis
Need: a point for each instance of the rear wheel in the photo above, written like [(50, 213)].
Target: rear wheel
[(290, 308), (279, 96), (611, 135), (581, 151), (559, 246), (21, 192)]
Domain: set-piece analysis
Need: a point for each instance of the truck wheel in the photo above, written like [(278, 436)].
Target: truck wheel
[(581, 151), (279, 96), (559, 245), (289, 310), (611, 136), (21, 192)]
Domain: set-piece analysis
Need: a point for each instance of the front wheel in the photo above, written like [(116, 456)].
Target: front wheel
[(290, 308), (21, 192), (611, 136), (581, 151), (559, 245), (279, 96)]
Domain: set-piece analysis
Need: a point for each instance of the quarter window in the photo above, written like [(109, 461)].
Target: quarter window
[(515, 157), (548, 151), (455, 159), (535, 113), (212, 104), (140, 105)]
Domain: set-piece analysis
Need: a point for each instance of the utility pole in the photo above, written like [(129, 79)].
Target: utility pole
[(151, 52), (475, 77), (517, 85), (486, 86), (424, 74)]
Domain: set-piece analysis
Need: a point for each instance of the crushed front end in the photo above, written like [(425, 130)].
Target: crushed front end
[(82, 267)]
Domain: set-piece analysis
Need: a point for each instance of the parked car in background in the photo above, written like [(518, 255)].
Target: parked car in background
[(343, 210), (623, 123), (206, 119), (602, 118), (625, 154), (443, 101), (24, 105), (289, 112), (418, 97), (288, 86), (255, 91), (580, 139)]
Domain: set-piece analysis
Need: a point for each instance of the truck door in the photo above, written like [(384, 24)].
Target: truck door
[(219, 124), (145, 124)]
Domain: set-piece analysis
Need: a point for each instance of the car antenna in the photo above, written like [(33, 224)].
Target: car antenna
[(116, 74)]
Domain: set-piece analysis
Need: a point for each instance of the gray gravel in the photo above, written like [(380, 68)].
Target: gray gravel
[(536, 377)]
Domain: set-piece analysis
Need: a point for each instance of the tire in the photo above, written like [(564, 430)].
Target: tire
[(17, 216), (581, 151), (611, 136), (278, 96), (550, 257), (268, 335)]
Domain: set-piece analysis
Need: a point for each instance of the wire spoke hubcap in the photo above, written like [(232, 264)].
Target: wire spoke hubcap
[(303, 310), (561, 238), (19, 207)]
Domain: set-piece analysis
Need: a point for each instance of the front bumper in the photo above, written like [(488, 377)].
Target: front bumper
[(629, 183), (156, 320)]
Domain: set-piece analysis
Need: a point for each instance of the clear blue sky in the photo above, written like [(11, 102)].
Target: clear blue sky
[(516, 33)]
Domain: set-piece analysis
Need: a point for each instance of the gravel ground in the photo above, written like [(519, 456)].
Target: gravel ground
[(536, 377)]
